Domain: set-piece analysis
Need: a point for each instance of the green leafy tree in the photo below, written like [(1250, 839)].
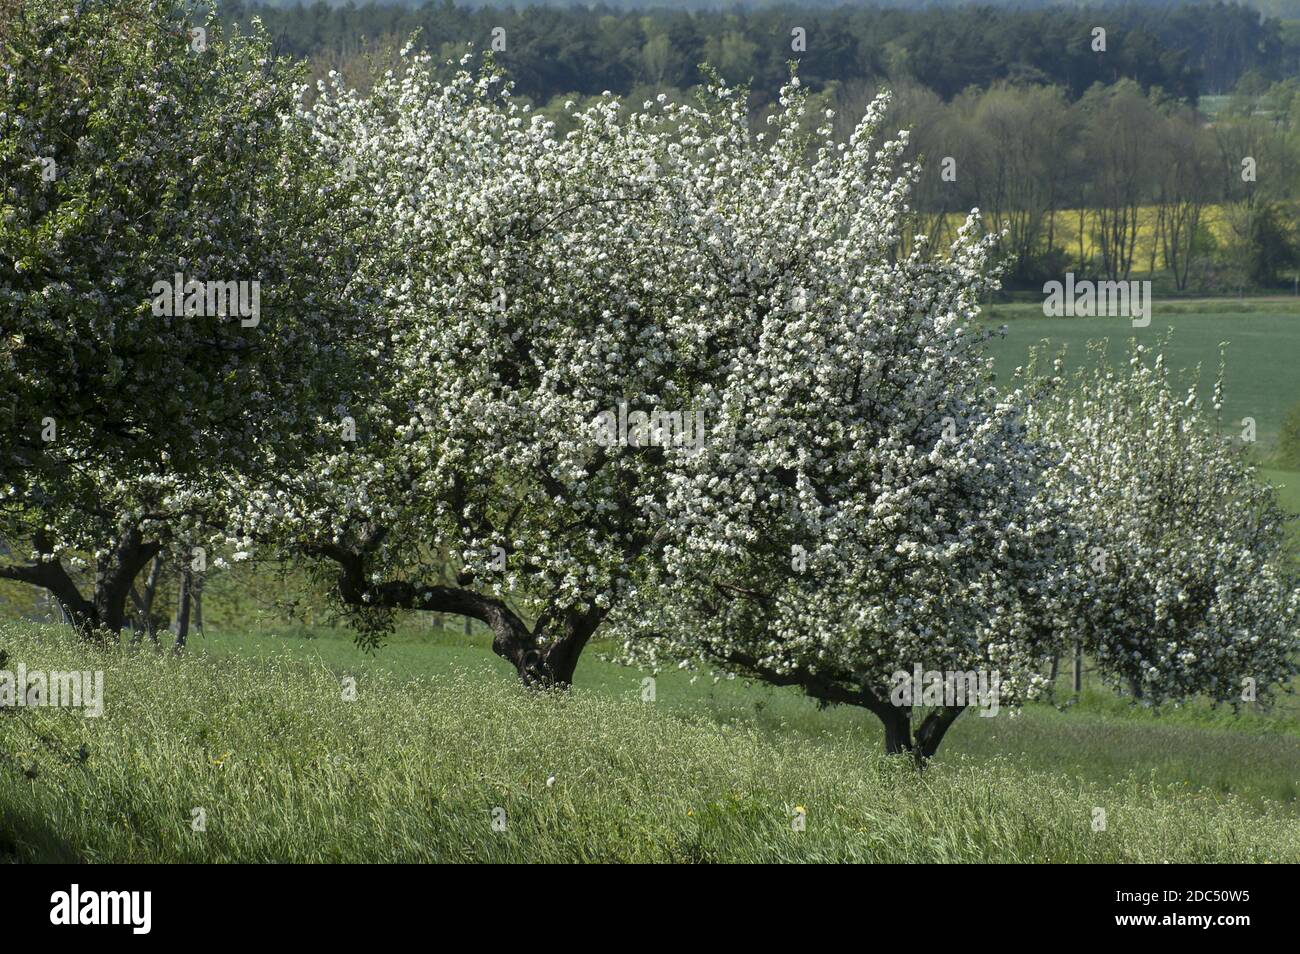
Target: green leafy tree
[(138, 143)]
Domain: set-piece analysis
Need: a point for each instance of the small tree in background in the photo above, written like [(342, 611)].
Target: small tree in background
[(1185, 586), (1273, 252)]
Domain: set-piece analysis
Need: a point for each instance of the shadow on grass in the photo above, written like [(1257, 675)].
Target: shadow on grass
[(27, 840)]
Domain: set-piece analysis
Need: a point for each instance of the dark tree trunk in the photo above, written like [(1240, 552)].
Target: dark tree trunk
[(835, 689), (148, 622), (544, 663), (183, 611), (544, 656), (115, 574), (150, 594), (934, 727), (898, 729), (102, 616), (140, 622), (196, 598), (563, 654), (899, 738)]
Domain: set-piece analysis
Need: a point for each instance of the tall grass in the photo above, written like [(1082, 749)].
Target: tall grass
[(285, 769)]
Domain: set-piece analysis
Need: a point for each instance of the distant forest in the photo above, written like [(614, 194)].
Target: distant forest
[(1186, 51), (1173, 153), (1282, 9)]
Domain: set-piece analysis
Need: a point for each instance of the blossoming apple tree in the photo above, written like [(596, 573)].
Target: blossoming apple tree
[(1186, 583), (880, 506), (667, 262), (532, 288)]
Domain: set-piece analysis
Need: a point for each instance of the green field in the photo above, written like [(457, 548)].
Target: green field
[(1262, 377), (1287, 483), (1098, 738), (1263, 354)]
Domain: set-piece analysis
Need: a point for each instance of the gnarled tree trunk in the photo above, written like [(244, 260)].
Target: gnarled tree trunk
[(544, 656), (899, 737), (147, 622), (101, 616), (838, 689)]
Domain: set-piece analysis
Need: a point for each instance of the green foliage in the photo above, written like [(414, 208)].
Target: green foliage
[(1273, 247), (140, 141), (128, 155)]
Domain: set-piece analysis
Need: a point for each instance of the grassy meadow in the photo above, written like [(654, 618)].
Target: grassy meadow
[(256, 735), (253, 729)]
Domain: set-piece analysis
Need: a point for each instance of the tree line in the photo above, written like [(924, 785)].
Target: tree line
[(556, 51), (1117, 183), (1095, 161)]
